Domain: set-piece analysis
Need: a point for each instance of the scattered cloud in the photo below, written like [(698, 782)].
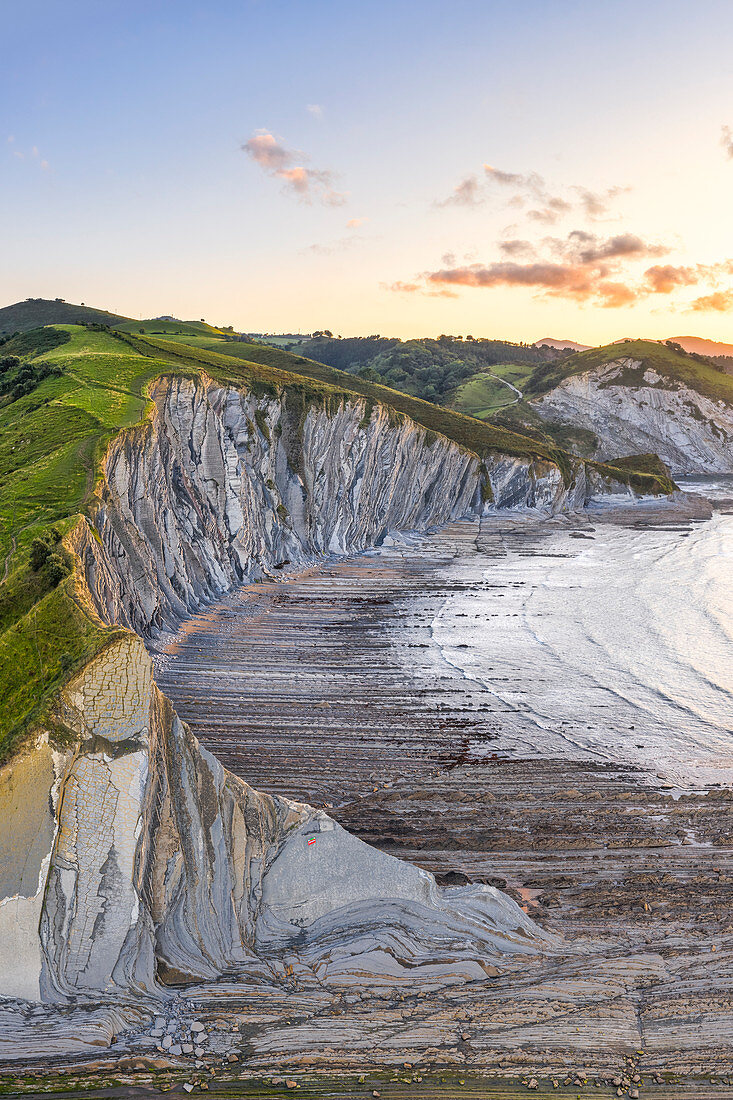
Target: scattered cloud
[(466, 193), (33, 156), (340, 245), (664, 278), (530, 191), (315, 109), (307, 184), (356, 223), (581, 267), (419, 288), (719, 301), (586, 248), (517, 249), (726, 140)]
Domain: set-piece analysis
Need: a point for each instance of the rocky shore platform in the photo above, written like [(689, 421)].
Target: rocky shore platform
[(326, 686)]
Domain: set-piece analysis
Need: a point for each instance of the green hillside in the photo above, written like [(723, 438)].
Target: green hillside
[(486, 393), (65, 392), (431, 369), (37, 312)]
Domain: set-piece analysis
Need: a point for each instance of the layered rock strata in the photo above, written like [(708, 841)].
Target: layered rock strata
[(218, 487), (632, 410)]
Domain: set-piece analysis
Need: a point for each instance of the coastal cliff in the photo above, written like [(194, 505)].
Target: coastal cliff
[(632, 408), (218, 487)]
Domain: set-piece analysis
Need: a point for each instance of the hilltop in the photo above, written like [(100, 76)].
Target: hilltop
[(40, 312), (37, 312), (561, 345)]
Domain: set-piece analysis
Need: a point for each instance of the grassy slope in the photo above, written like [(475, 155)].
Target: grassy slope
[(52, 441), (36, 312), (482, 395)]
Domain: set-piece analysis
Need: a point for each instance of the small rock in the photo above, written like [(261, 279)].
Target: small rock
[(197, 1026), (160, 1021), (172, 1027), (175, 1049), (465, 1036), (198, 1051), (232, 1057), (291, 1084), (187, 1048), (375, 1093), (634, 1094), (533, 1084), (188, 1087), (167, 1042)]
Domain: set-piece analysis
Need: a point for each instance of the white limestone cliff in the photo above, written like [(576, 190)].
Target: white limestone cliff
[(690, 432)]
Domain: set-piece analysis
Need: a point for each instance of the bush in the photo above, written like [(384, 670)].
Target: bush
[(42, 549)]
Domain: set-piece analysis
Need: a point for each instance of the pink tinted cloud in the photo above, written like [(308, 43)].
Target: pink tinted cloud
[(307, 184)]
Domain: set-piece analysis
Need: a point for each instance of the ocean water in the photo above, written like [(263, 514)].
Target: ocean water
[(605, 643)]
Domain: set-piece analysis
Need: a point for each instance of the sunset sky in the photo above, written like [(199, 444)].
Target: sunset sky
[(405, 167)]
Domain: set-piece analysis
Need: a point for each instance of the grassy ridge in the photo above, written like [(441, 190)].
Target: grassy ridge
[(37, 312), (158, 327)]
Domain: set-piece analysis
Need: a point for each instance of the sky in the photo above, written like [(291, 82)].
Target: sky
[(511, 170)]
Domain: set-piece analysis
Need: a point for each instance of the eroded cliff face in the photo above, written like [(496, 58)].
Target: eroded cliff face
[(219, 487), (649, 414), (132, 859), (156, 867)]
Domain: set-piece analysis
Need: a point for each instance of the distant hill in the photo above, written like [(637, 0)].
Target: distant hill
[(560, 345), (698, 344), (37, 312)]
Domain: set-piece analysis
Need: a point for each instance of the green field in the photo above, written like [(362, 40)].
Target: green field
[(484, 393)]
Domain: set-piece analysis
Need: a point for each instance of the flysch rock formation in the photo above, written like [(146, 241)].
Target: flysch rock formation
[(132, 861), (690, 432)]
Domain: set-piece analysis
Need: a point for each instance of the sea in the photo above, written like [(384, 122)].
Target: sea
[(610, 642)]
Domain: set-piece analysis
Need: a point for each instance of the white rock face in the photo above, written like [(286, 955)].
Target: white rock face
[(690, 433), (166, 866)]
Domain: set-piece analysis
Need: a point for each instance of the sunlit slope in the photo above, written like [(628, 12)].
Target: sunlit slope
[(37, 312)]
